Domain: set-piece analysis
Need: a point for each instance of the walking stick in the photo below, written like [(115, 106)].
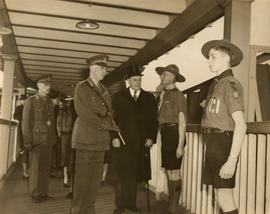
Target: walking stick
[(148, 197), (121, 137)]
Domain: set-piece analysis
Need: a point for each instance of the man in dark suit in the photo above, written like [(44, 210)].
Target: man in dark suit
[(39, 137), (91, 135), (135, 112)]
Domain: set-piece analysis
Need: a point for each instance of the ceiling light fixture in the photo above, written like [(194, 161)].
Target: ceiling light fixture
[(87, 25)]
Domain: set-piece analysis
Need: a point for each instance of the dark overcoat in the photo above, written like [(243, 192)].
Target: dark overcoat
[(137, 122)]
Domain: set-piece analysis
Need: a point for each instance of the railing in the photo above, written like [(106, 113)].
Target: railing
[(252, 177), (8, 145)]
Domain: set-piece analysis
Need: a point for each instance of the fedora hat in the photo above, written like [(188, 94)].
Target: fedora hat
[(237, 54), (134, 70), (173, 69)]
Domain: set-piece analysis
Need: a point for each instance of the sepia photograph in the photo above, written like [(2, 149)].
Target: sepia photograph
[(134, 106)]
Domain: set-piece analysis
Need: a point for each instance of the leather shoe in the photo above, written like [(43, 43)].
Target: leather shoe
[(135, 210), (36, 199), (117, 211), (46, 198)]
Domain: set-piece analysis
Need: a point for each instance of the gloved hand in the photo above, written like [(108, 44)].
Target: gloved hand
[(116, 143), (28, 147)]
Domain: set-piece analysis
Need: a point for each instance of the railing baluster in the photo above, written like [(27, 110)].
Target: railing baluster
[(199, 174), (243, 177), (267, 193), (251, 174), (185, 177), (189, 182), (204, 199), (260, 187), (209, 200), (194, 172)]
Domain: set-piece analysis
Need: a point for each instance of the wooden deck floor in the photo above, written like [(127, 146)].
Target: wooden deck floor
[(14, 198)]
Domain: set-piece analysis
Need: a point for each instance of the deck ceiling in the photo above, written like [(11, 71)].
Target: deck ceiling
[(48, 42)]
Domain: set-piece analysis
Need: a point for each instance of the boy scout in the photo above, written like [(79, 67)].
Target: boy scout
[(172, 120), (39, 136), (91, 137), (223, 122)]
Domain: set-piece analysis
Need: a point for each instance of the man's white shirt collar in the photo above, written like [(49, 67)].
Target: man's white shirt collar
[(131, 91)]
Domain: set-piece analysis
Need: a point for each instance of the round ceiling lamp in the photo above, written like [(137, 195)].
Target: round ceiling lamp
[(87, 25), (4, 30)]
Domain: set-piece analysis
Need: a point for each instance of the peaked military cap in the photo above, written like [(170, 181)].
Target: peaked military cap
[(237, 54), (134, 70), (44, 79), (98, 59), (173, 69)]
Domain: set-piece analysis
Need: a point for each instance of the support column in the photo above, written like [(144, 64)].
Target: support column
[(6, 111), (7, 90), (237, 21)]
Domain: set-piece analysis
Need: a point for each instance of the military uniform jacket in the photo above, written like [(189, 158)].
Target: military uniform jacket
[(91, 128), (225, 97), (137, 122), (38, 123)]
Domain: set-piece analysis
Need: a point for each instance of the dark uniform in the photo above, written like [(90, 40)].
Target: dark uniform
[(38, 128), (225, 97), (90, 138), (173, 103)]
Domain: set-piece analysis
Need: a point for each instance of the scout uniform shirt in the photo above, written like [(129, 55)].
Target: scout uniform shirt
[(172, 102), (225, 97)]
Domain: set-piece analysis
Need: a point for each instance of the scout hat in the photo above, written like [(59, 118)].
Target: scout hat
[(173, 69), (236, 54), (135, 70), (44, 79), (101, 59)]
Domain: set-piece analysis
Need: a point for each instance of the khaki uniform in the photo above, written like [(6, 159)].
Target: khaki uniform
[(90, 138), (38, 129), (225, 97)]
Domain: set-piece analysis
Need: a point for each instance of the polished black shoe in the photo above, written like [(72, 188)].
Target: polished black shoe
[(134, 209), (46, 198), (25, 177), (70, 195), (36, 199), (118, 211), (66, 185)]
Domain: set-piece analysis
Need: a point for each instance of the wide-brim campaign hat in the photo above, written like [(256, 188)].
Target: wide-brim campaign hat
[(173, 69), (97, 59), (237, 54), (44, 79), (134, 70)]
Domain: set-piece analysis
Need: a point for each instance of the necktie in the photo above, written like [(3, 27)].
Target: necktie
[(135, 96)]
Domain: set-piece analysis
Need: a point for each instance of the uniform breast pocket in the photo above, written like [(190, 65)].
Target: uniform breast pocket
[(213, 105), (97, 105)]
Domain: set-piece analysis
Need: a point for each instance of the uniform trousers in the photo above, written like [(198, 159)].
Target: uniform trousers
[(39, 170), (88, 172), (126, 195)]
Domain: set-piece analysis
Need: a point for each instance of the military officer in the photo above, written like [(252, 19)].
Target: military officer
[(91, 134), (39, 137), (223, 122), (172, 121)]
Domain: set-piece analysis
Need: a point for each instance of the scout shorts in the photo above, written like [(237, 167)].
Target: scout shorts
[(218, 147), (169, 138)]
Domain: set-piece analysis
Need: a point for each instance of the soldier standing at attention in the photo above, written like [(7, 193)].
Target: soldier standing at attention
[(223, 122), (172, 120), (39, 137), (91, 135)]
